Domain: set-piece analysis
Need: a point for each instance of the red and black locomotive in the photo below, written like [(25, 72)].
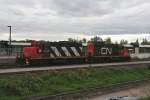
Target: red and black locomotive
[(66, 52)]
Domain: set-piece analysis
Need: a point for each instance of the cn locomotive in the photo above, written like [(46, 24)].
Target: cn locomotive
[(66, 52)]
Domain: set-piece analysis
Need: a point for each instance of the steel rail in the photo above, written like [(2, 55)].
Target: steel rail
[(104, 65), (92, 91)]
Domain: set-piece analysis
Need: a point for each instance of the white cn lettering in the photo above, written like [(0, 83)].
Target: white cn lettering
[(105, 51)]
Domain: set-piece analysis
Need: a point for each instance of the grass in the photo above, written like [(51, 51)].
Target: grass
[(17, 87), (147, 98)]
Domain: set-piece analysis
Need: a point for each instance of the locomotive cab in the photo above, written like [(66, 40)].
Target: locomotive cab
[(35, 51)]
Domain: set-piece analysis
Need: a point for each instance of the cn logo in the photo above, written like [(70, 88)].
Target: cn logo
[(106, 51)]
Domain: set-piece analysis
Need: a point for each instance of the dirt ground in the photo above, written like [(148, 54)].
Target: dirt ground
[(142, 91)]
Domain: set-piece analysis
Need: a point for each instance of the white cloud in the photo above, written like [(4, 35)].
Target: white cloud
[(51, 19)]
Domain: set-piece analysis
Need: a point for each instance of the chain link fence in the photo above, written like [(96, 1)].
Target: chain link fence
[(10, 52)]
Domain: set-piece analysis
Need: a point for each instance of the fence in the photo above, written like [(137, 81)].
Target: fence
[(10, 51)]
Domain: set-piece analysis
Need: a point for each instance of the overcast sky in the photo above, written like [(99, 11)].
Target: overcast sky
[(61, 19)]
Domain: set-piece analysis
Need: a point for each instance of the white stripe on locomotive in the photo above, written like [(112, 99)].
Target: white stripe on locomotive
[(52, 55), (75, 51), (56, 51), (67, 53)]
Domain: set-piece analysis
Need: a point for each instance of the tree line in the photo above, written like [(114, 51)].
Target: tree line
[(108, 40)]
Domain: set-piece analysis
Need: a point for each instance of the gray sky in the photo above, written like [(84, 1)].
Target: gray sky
[(61, 19)]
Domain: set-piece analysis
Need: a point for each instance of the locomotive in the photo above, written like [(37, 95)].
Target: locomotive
[(65, 52)]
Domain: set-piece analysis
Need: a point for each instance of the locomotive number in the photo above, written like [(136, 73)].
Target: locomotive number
[(106, 51)]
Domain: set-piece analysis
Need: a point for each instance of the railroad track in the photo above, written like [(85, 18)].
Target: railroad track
[(106, 65), (93, 91)]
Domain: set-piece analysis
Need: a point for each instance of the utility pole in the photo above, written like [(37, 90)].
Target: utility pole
[(9, 35), (9, 40)]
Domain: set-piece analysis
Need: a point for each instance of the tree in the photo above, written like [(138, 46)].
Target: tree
[(29, 40), (96, 39), (122, 42), (137, 42), (145, 42), (70, 39), (108, 40), (116, 42), (74, 40), (84, 40)]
